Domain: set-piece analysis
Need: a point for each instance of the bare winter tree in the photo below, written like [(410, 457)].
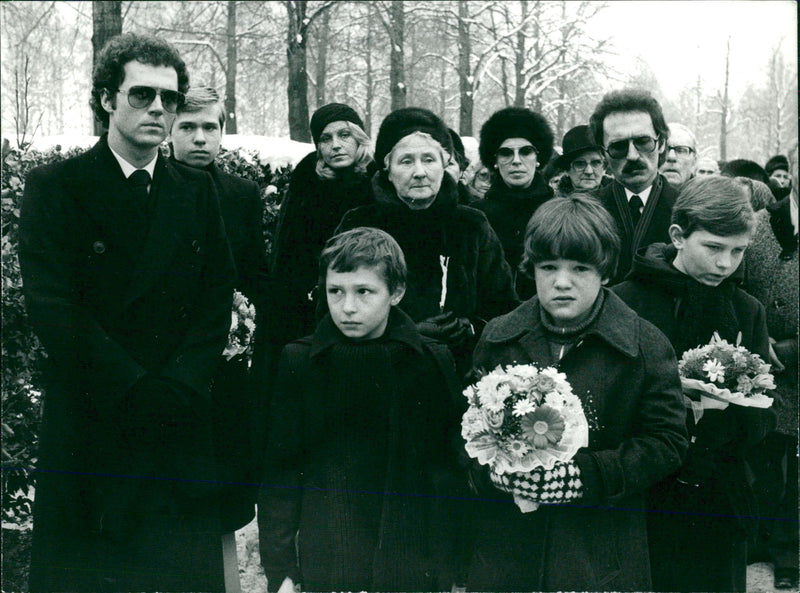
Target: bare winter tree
[(106, 23)]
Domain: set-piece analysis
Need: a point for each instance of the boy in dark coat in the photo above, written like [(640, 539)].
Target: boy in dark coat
[(360, 439), (698, 535), (625, 373)]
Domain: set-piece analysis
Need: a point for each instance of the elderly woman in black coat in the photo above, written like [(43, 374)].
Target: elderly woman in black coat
[(457, 275), (515, 142)]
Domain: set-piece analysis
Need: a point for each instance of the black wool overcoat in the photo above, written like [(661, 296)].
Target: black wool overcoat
[(115, 294)]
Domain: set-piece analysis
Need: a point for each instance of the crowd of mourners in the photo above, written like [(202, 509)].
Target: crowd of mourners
[(400, 272)]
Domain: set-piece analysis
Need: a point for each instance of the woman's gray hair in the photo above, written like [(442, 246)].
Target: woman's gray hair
[(363, 157), (442, 150)]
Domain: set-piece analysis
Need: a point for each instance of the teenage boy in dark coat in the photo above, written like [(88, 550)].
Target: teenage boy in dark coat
[(130, 292), (196, 135), (704, 511), (630, 126), (360, 462)]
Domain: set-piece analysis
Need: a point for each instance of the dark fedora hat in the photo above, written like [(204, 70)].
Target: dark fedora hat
[(576, 141)]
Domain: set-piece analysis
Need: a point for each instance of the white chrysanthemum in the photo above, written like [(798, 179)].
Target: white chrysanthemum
[(524, 406), (714, 370)]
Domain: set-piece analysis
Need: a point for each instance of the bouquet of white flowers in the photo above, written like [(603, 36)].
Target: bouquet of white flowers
[(525, 424), (243, 324), (719, 374)]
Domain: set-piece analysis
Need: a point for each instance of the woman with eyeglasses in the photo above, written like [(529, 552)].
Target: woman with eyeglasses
[(514, 144), (583, 162)]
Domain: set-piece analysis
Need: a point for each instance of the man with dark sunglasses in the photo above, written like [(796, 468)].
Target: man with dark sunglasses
[(630, 126), (128, 279)]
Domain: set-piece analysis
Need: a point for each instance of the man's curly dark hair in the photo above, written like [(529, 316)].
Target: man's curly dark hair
[(109, 72)]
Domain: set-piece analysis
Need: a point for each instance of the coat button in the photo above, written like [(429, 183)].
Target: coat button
[(196, 246), (99, 247)]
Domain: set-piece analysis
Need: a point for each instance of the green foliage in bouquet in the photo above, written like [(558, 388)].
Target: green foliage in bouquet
[(22, 389)]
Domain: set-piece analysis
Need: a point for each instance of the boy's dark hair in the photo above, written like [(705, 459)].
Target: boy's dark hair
[(576, 227), (718, 205), (364, 246), (109, 72), (628, 100)]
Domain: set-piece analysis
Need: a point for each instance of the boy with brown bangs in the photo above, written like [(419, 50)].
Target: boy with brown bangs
[(624, 370), (698, 534), (360, 439)]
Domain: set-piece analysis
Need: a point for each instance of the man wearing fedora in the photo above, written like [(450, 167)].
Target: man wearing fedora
[(583, 161)]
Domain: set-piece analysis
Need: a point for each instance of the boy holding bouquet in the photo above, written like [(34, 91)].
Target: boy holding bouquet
[(361, 428), (706, 509), (624, 371)]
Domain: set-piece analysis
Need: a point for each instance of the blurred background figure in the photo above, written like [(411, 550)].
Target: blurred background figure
[(583, 162), (681, 155), (706, 166), (780, 181), (479, 180), (754, 171)]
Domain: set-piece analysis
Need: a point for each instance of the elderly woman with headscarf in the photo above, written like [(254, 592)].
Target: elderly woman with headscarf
[(515, 142), (457, 276)]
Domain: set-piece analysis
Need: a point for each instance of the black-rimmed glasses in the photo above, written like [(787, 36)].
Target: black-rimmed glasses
[(579, 165), (680, 150), (642, 144), (506, 154), (140, 97)]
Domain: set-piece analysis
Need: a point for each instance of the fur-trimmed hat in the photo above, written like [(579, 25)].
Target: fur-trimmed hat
[(515, 122), (402, 122), (777, 162), (330, 113)]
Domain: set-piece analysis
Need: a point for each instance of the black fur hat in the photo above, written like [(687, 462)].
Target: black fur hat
[(515, 122), (402, 122), (777, 162), (330, 113), (744, 168)]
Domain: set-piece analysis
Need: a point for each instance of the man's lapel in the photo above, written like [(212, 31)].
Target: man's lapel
[(108, 201)]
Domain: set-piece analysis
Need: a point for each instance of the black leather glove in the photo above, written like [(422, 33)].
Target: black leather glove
[(446, 327)]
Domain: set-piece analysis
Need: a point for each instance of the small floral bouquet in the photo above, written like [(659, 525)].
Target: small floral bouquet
[(521, 419), (722, 374), (243, 324)]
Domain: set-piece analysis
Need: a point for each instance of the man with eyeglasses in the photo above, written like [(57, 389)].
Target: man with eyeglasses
[(128, 278), (681, 155), (630, 126), (582, 160)]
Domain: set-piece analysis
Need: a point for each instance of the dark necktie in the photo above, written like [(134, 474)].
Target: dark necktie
[(635, 204), (139, 180)]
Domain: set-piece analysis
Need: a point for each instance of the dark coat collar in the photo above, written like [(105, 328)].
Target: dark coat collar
[(780, 219), (400, 329), (616, 325)]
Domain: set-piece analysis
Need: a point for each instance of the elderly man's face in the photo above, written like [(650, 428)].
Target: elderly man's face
[(707, 166), (633, 148), (681, 158)]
